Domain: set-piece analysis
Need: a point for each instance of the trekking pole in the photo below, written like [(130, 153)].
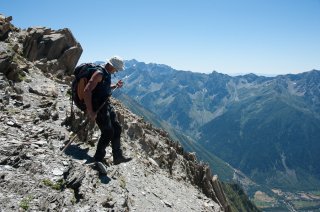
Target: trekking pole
[(83, 124), (81, 127)]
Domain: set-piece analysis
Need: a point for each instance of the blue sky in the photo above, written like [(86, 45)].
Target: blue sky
[(230, 36)]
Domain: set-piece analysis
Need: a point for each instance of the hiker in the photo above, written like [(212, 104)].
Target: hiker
[(96, 97)]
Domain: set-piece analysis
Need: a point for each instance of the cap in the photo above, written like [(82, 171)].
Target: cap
[(116, 62)]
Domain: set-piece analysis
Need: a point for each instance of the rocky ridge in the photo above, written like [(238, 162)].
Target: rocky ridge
[(36, 124)]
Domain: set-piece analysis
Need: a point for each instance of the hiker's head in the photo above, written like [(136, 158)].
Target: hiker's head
[(114, 64)]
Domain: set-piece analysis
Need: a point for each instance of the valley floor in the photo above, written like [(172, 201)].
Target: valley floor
[(290, 201)]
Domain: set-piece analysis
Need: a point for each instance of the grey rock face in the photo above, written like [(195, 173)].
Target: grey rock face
[(54, 52), (6, 55), (5, 26), (60, 47)]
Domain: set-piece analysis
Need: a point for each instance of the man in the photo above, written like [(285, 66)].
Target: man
[(99, 109)]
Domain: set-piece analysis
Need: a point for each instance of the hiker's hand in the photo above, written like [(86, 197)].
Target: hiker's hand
[(119, 83), (92, 115)]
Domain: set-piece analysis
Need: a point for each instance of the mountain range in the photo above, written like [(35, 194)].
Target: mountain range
[(266, 127)]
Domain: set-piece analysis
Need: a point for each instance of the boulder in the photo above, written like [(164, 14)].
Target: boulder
[(220, 193), (9, 64), (5, 27), (6, 55), (60, 46)]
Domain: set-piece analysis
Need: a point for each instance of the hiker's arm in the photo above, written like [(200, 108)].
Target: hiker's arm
[(94, 80), (118, 85)]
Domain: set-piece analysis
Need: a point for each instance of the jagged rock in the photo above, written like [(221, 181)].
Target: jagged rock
[(55, 116), (216, 185), (8, 65), (190, 156), (135, 131), (6, 56), (60, 47), (45, 88), (57, 172), (5, 26)]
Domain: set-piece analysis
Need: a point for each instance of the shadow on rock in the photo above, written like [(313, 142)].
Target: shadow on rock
[(82, 154), (78, 153), (104, 179)]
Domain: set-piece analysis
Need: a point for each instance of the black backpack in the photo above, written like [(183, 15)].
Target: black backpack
[(82, 75)]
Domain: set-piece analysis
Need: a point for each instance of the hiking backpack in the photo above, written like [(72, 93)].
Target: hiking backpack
[(82, 75)]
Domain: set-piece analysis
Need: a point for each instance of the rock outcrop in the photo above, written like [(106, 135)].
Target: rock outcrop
[(5, 27), (54, 52), (35, 125)]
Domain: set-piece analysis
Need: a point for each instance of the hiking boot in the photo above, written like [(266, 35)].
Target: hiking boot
[(101, 167), (120, 159)]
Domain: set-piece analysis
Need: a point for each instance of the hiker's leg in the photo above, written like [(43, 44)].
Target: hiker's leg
[(116, 145), (104, 122), (115, 141), (102, 144), (118, 156)]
